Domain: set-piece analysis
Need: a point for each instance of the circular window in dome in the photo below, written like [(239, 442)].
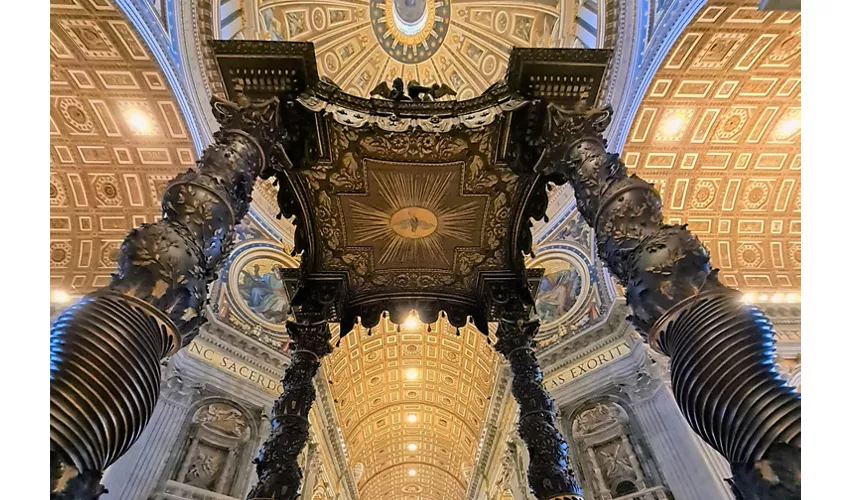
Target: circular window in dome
[(410, 31)]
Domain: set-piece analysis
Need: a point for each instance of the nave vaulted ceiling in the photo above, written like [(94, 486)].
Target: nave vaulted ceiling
[(116, 138), (718, 133), (412, 401)]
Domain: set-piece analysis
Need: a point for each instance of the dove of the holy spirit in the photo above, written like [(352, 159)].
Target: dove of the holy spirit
[(413, 222)]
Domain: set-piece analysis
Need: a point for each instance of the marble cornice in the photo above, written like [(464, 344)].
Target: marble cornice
[(495, 416), (613, 87), (783, 314), (233, 341), (618, 377), (562, 353)]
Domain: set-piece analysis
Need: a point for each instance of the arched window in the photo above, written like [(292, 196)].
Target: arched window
[(589, 29), (625, 488), (230, 16)]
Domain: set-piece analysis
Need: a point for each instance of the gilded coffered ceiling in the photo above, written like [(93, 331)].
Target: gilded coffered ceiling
[(411, 401), (116, 138), (718, 133), (360, 43)]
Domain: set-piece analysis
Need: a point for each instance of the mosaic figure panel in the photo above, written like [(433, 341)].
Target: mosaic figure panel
[(567, 296), (254, 296), (262, 290), (558, 293)]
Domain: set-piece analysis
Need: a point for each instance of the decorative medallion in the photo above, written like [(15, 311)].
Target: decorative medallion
[(410, 31), (567, 298), (750, 255), (413, 222), (60, 254), (704, 194), (410, 218), (256, 287)]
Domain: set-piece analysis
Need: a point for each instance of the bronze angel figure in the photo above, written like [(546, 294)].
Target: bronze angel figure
[(394, 93), (415, 91)]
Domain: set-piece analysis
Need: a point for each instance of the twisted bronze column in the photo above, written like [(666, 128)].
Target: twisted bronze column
[(277, 464), (721, 350), (549, 473), (105, 350)]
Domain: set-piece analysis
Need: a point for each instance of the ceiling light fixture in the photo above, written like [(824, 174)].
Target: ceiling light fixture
[(763, 298), (788, 127), (673, 125), (61, 296), (748, 298), (412, 321), (411, 418), (412, 447), (411, 374), (777, 297), (138, 122), (411, 472)]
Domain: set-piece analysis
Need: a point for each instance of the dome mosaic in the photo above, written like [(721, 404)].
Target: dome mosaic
[(361, 44)]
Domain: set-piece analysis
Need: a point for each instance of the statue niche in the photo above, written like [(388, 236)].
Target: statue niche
[(218, 439), (608, 454)]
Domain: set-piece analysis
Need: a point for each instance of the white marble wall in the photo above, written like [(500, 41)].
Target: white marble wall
[(688, 467), (136, 474), (689, 470)]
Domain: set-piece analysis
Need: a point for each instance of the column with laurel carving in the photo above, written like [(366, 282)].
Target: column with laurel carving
[(278, 472), (550, 475), (721, 349), (105, 350)]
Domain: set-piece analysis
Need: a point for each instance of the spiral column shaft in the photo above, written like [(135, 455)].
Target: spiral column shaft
[(278, 472), (105, 350), (721, 350), (550, 475)]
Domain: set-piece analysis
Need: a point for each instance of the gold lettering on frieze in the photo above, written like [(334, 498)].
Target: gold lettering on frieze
[(585, 365), (214, 358)]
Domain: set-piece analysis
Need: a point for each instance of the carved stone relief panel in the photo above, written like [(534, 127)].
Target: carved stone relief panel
[(204, 466), (789, 368), (216, 449), (610, 459)]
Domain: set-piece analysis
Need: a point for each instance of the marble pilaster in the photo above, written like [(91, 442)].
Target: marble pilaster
[(136, 474), (687, 469)]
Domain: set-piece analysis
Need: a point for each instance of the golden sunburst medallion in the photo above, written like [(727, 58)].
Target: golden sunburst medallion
[(415, 219)]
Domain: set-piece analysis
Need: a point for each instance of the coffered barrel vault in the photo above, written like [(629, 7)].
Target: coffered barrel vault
[(116, 139), (411, 401), (718, 133)]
